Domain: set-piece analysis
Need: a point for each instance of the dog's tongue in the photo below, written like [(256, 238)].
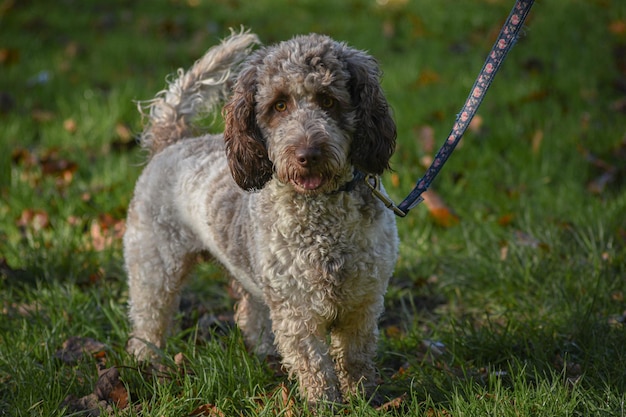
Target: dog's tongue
[(310, 183)]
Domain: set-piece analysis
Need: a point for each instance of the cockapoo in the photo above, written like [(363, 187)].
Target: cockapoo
[(279, 199)]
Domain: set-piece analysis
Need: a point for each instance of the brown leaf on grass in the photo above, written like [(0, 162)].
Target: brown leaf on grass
[(394, 404), (431, 412), (124, 138), (395, 180), (106, 231), (207, 410), (288, 403), (53, 164), (536, 96), (109, 391), (70, 125), (284, 405), (394, 332), (182, 364), (506, 219), (50, 163), (618, 27), (439, 211), (33, 219), (536, 141), (123, 132), (426, 77), (476, 124), (23, 156), (110, 388), (504, 251), (76, 348), (9, 56)]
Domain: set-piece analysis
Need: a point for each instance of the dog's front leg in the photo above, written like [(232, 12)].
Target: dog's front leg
[(354, 339), (300, 340)]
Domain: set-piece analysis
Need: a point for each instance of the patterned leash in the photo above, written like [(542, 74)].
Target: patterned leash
[(506, 39)]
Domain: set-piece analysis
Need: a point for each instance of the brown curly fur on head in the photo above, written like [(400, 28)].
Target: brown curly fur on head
[(347, 70), (245, 148), (376, 130)]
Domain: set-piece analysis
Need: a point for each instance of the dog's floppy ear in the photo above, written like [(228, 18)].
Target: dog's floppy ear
[(375, 135), (245, 148)]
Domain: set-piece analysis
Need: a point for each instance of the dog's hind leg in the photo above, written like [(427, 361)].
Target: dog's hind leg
[(156, 264), (253, 318)]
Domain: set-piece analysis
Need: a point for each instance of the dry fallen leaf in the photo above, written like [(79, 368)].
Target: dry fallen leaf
[(106, 231), (109, 391), (618, 27), (9, 56), (506, 219), (123, 132), (536, 141), (394, 404), (504, 251), (394, 332), (395, 180), (36, 220), (285, 406), (426, 77), (207, 410), (110, 388), (76, 348), (53, 164), (431, 412), (439, 211), (476, 124)]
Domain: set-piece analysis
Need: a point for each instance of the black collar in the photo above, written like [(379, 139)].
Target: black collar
[(358, 177)]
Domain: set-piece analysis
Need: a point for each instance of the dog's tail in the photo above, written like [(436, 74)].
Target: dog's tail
[(198, 91)]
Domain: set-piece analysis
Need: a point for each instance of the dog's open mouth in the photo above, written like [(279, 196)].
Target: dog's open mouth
[(308, 183)]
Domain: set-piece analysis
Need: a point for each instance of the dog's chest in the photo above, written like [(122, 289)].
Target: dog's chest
[(324, 251)]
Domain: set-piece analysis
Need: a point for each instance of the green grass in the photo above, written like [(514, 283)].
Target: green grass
[(524, 298)]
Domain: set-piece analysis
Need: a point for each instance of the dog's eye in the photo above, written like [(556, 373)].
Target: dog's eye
[(327, 102), (280, 106)]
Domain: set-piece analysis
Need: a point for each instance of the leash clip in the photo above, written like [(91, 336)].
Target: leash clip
[(373, 182)]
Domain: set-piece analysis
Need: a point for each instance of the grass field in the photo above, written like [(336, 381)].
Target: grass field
[(509, 301)]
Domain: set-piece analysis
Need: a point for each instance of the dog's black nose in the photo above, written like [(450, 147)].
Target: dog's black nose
[(307, 156)]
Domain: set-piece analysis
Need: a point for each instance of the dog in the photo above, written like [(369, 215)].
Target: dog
[(279, 199)]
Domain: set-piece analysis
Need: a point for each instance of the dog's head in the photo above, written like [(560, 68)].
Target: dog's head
[(309, 110)]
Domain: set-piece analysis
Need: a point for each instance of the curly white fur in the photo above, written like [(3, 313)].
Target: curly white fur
[(278, 201)]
